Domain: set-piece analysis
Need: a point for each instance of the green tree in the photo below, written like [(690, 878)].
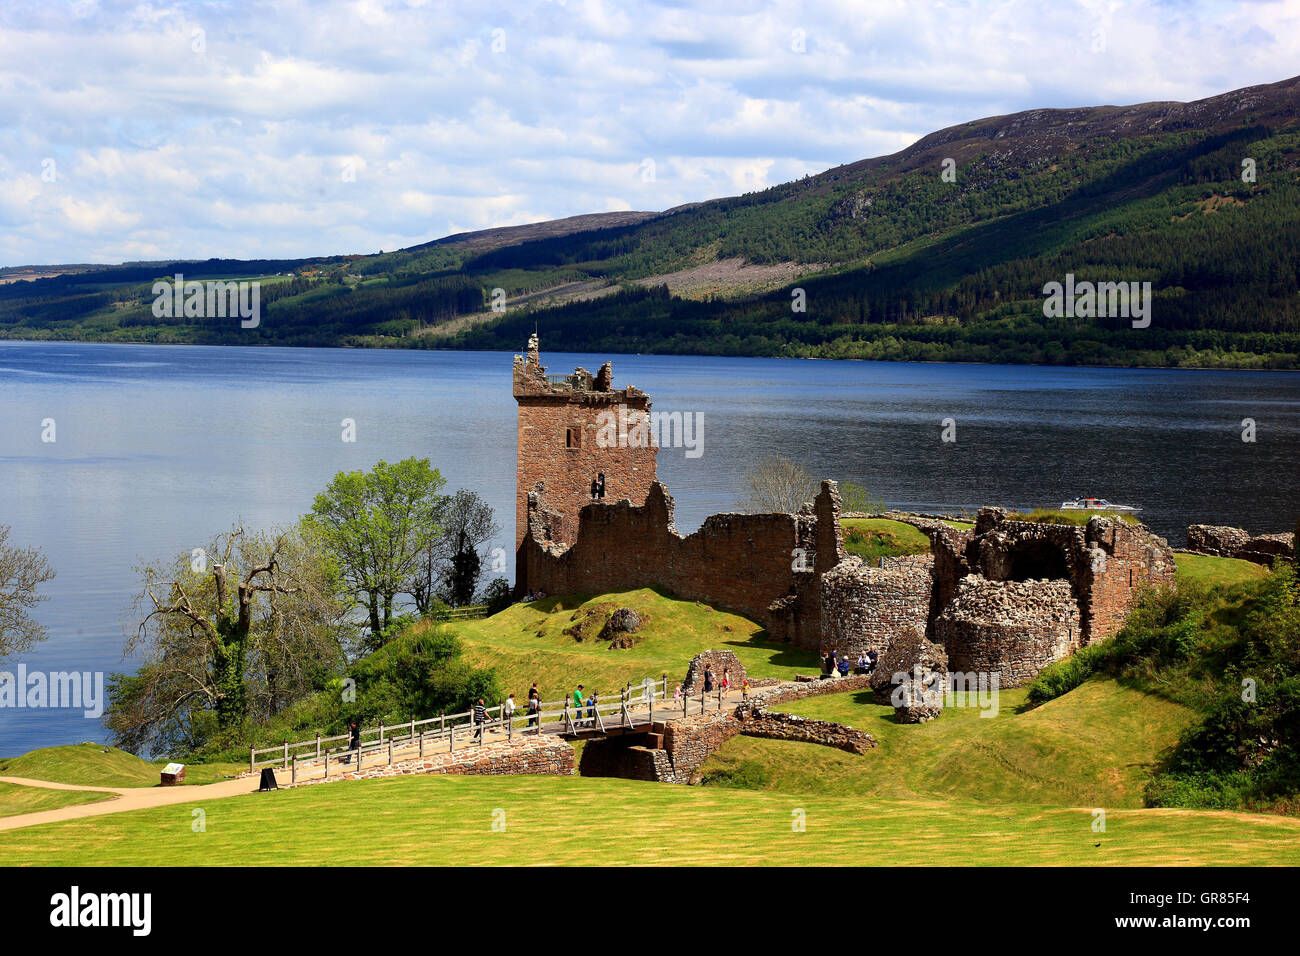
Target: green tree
[(855, 497), (377, 525)]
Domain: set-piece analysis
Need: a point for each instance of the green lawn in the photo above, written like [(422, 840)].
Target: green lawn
[(1213, 571), (872, 538), (99, 765), (527, 643), (15, 798), (1091, 747), (585, 822)]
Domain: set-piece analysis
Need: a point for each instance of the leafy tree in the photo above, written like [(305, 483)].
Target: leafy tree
[(462, 577), (377, 525), (497, 596), (235, 630), (855, 497), (22, 571), (468, 524)]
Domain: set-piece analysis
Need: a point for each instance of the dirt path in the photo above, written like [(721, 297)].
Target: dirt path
[(128, 798)]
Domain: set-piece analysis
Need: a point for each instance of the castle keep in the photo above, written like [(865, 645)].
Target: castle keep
[(566, 442), (1005, 597)]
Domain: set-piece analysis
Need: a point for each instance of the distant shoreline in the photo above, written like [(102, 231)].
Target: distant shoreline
[(4, 339)]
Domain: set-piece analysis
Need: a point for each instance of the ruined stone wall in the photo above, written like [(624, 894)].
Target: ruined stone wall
[(1104, 562), (1122, 559), (546, 754), (745, 563), (719, 661), (865, 607), (775, 725), (1227, 542), (1010, 628)]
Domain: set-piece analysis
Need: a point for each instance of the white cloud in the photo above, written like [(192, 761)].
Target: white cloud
[(241, 148)]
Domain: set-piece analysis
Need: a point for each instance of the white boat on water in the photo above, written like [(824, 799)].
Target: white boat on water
[(1096, 504)]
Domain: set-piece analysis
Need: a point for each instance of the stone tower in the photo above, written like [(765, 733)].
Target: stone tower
[(572, 430)]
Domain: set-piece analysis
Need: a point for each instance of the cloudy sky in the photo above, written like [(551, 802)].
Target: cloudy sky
[(249, 129)]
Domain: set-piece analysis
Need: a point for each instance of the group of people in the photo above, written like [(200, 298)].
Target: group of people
[(833, 663), (534, 596)]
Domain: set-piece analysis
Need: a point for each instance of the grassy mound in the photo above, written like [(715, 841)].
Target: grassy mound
[(536, 642), (16, 799), (872, 538), (1096, 747), (1213, 572), (1069, 516), (600, 821), (99, 765), (96, 765)]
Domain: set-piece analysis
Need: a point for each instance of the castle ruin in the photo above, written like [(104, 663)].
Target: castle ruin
[(1005, 597)]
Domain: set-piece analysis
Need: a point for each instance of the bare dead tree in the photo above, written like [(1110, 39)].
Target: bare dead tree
[(228, 631), (22, 572), (777, 484)]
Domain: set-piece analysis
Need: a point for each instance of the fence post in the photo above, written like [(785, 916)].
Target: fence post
[(381, 731), (318, 745), (412, 726), (293, 774), (327, 765), (390, 751), (250, 758), (421, 744), (286, 753), (451, 740)]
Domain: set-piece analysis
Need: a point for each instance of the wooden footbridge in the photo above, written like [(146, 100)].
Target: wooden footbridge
[(634, 709)]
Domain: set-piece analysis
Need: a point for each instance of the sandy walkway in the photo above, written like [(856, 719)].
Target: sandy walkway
[(128, 798)]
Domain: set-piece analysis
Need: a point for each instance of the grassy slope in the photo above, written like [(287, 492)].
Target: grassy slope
[(1092, 748), (566, 820), (1212, 571), (98, 765), (871, 538), (15, 799), (527, 643)]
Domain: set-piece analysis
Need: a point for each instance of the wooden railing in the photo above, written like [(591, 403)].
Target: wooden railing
[(382, 743)]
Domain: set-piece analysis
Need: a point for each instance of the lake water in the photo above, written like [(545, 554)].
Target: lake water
[(160, 447)]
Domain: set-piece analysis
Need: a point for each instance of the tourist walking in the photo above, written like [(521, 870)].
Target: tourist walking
[(708, 680), (534, 707), (508, 710), (577, 706), (591, 709), (354, 740), (480, 718), (726, 681)]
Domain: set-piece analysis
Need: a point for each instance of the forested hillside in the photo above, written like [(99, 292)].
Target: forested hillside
[(884, 259)]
